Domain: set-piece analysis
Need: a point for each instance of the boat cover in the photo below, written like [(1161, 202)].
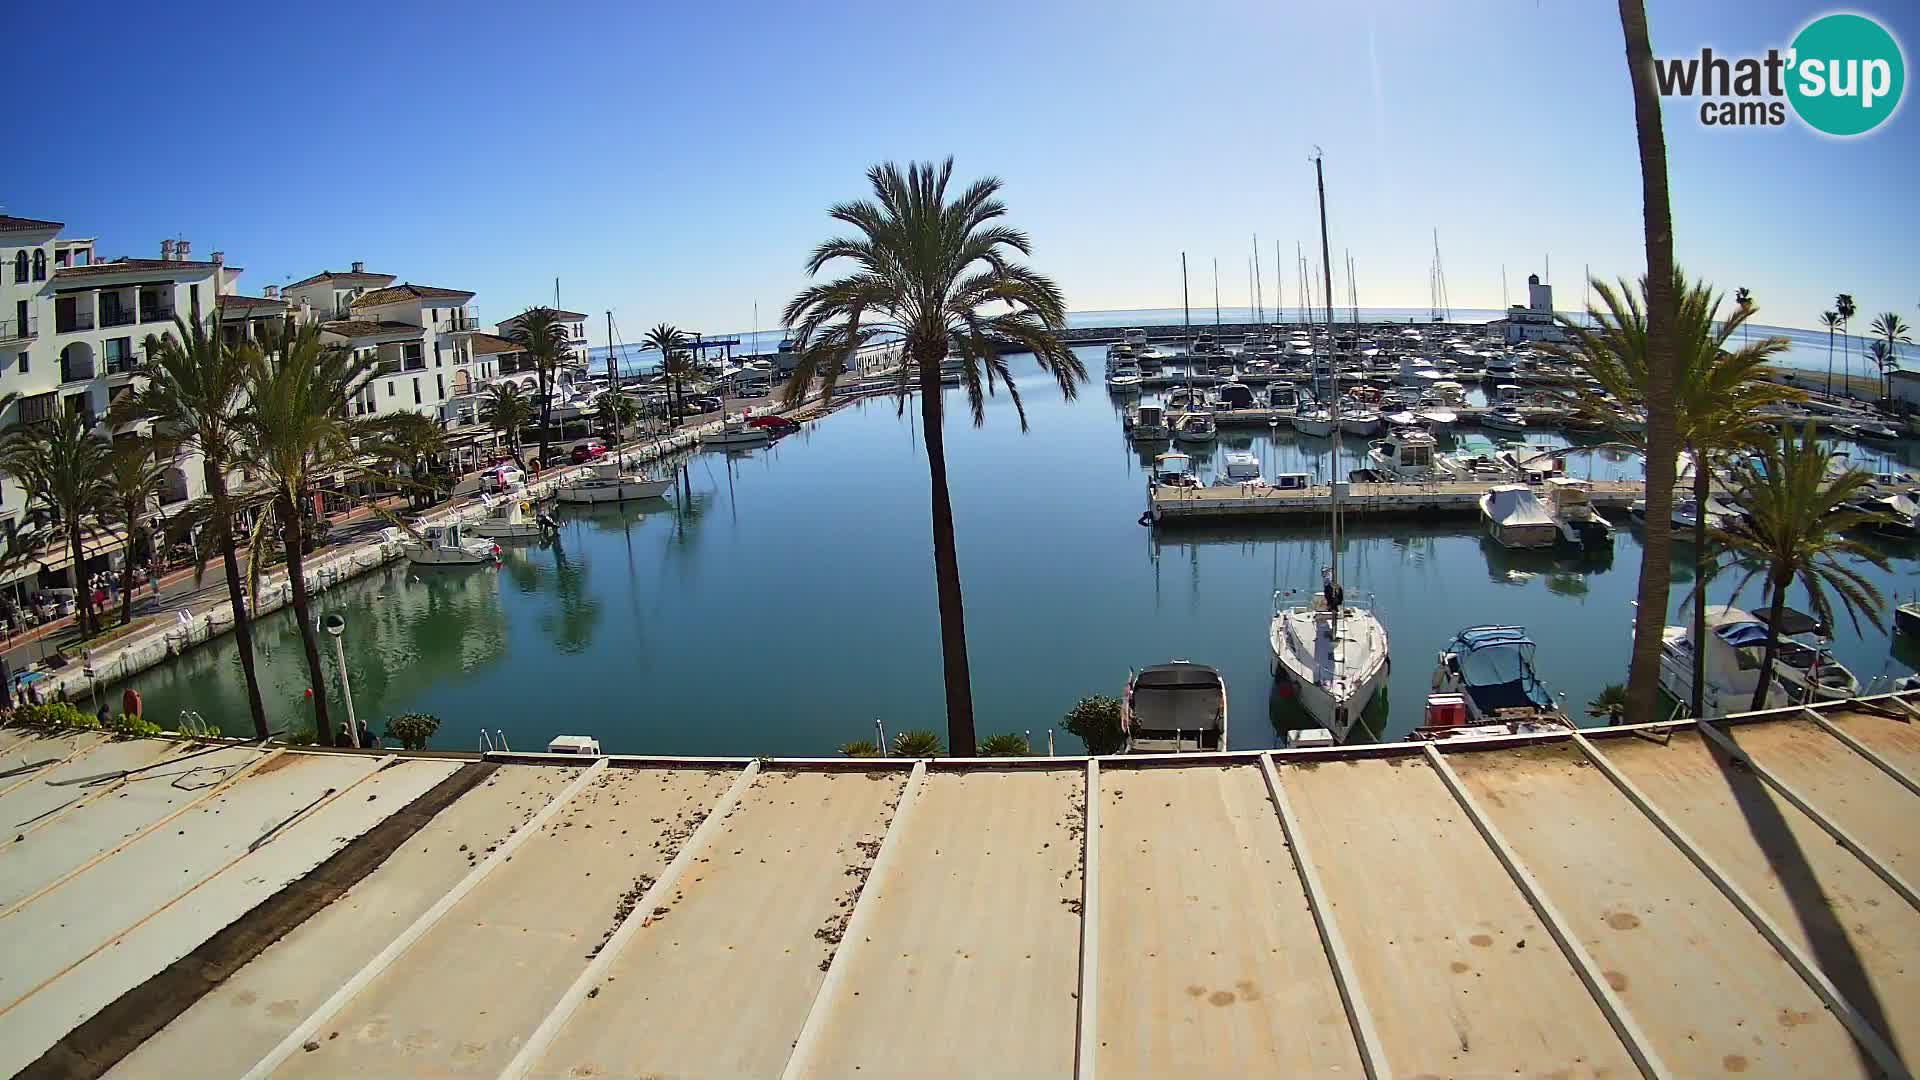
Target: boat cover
[(1496, 668), (1186, 697), (1513, 504)]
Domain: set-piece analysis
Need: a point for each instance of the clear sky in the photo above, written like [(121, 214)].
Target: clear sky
[(674, 161)]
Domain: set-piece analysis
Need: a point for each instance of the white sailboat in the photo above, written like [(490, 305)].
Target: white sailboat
[(1331, 650)]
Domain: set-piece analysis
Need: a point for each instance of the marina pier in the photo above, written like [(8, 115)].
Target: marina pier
[(1454, 498)]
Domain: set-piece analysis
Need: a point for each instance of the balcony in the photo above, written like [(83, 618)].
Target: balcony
[(72, 322), (16, 330), (121, 317), (74, 371), (157, 314), (387, 367), (414, 364), (456, 324), (123, 368)]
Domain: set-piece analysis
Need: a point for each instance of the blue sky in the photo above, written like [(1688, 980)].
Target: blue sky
[(673, 162)]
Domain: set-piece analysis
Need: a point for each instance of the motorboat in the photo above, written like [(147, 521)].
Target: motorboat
[(1735, 648), (511, 518), (1148, 423), (1282, 398), (1149, 358), (1906, 618), (1504, 419), (1897, 515), (1203, 344), (612, 482), (1686, 513), (1406, 454), (1516, 519), (1233, 395), (1332, 652), (1570, 503), (1491, 668), (1449, 719), (449, 545), (735, 431), (1173, 469), (1194, 427), (1174, 708), (1869, 432), (1241, 467), (1533, 464), (1134, 338), (1186, 397), (1124, 376), (1360, 423), (1438, 421), (1476, 458), (1315, 422)]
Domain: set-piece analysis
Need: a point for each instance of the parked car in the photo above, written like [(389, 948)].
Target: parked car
[(775, 425), (705, 403), (502, 477), (589, 450)]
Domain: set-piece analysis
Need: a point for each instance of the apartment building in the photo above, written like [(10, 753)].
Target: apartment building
[(576, 327), (419, 337)]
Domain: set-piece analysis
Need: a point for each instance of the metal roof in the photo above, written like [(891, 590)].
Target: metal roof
[(1665, 900)]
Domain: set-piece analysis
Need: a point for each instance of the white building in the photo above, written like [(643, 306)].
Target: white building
[(73, 332), (576, 326), (419, 337), (1531, 323)]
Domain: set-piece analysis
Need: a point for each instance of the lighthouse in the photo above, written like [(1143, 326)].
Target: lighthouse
[(1539, 297)]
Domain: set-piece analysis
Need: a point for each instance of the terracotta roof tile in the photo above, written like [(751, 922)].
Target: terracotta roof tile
[(408, 292), (236, 303), (132, 266), (366, 328), (8, 223), (345, 276), (492, 343)]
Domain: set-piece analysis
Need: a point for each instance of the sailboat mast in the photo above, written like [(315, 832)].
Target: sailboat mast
[(1259, 294), (613, 371), (1279, 286), (1216, 291), (1326, 267), (1186, 305)]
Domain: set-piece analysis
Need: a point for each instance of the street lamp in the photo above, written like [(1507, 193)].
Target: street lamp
[(336, 625)]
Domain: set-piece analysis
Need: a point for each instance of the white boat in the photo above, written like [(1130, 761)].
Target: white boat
[(1173, 469), (1438, 421), (1194, 427), (1476, 458), (1570, 502), (1148, 423), (735, 431), (1242, 467), (1516, 519), (611, 482), (1134, 338), (1125, 376), (1491, 668), (511, 518), (1504, 419), (1315, 422), (1360, 423), (1449, 719), (1175, 708), (1406, 454), (448, 545), (1736, 643)]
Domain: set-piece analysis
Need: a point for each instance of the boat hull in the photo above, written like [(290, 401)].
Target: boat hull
[(430, 556), (1317, 428), (591, 494), (1337, 712)]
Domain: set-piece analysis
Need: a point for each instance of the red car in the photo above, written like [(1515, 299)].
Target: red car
[(591, 450), (775, 425)]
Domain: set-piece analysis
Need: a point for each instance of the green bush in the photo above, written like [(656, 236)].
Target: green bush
[(130, 726), (1096, 721), (53, 716), (917, 744), (861, 748), (413, 729), (1011, 744)]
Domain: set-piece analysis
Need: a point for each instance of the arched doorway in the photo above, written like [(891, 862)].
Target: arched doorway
[(76, 362), (462, 382), (173, 486)]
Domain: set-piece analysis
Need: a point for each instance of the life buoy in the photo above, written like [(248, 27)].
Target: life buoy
[(526, 507)]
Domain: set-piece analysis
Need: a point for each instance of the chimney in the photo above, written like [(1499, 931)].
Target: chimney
[(180, 249), (166, 251), (219, 258), (273, 292), (359, 267)]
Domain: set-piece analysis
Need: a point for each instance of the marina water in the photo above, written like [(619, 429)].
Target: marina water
[(785, 601)]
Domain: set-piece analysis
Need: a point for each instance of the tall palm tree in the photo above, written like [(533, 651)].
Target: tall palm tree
[(62, 465), (1844, 306), (1718, 395), (1831, 320), (617, 412), (507, 410), (196, 385), (293, 429), (1793, 530), (674, 361), (406, 440), (135, 480), (936, 275), (1743, 299), (542, 334), (1656, 570), (1892, 331)]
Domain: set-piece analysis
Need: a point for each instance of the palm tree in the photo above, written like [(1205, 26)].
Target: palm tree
[(675, 362), (135, 480), (1892, 330), (293, 429), (1743, 299), (1656, 571), (406, 440), (195, 387), (542, 334), (1844, 306), (1610, 704), (61, 464), (1793, 531), (507, 411), (1831, 320), (617, 412), (1718, 395), (937, 276)]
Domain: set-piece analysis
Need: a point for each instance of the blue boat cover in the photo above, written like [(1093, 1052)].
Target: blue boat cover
[(1742, 634), (1496, 667)]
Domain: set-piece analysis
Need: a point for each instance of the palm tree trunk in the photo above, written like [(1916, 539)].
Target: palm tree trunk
[(236, 594), (946, 569), (1656, 562), (293, 536), (126, 576), (1829, 361), (1775, 613), (1702, 488), (546, 411), (83, 596)]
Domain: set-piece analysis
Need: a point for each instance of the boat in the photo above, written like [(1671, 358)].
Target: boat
[(735, 431), (1173, 469), (1476, 458), (1516, 519), (1491, 669), (1124, 377), (1241, 467), (1406, 454), (1196, 427), (1504, 419), (448, 545), (1174, 708), (1185, 397), (1869, 432), (1330, 651), (1438, 421), (1736, 645), (1906, 618), (1570, 504), (1360, 423), (1449, 719), (611, 482), (1148, 423), (1315, 422), (1898, 516), (510, 518), (1135, 338), (1233, 395), (1281, 397)]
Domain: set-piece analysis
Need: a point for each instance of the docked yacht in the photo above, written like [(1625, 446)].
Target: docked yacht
[(1242, 467), (1148, 423), (1194, 427), (1898, 515), (1516, 519), (511, 518), (1124, 376), (1173, 469), (1331, 651), (1491, 668), (1406, 454), (1570, 503), (735, 431), (1282, 398), (1174, 708), (1476, 458), (611, 482), (1362, 423), (1315, 422), (1505, 418), (1735, 646), (1439, 421), (448, 545), (1233, 395)]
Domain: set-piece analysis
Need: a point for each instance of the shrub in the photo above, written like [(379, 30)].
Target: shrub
[(1096, 721), (129, 726), (917, 744), (53, 716), (413, 729), (1012, 744), (860, 748)]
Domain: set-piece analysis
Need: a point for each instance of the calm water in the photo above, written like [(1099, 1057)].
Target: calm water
[(790, 601)]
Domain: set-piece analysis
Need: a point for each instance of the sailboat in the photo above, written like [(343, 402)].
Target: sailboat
[(1331, 650)]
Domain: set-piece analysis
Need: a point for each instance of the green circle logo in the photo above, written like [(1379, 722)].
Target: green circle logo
[(1847, 75)]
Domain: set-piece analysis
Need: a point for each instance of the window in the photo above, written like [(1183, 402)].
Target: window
[(39, 265), (389, 389), (416, 391), (37, 408), (440, 385), (26, 362), (20, 266), (193, 296)]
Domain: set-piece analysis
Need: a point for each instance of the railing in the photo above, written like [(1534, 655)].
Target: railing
[(125, 365), (456, 324), (72, 321), (76, 371), (123, 317), (14, 329), (387, 367), (414, 365), (164, 314)]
